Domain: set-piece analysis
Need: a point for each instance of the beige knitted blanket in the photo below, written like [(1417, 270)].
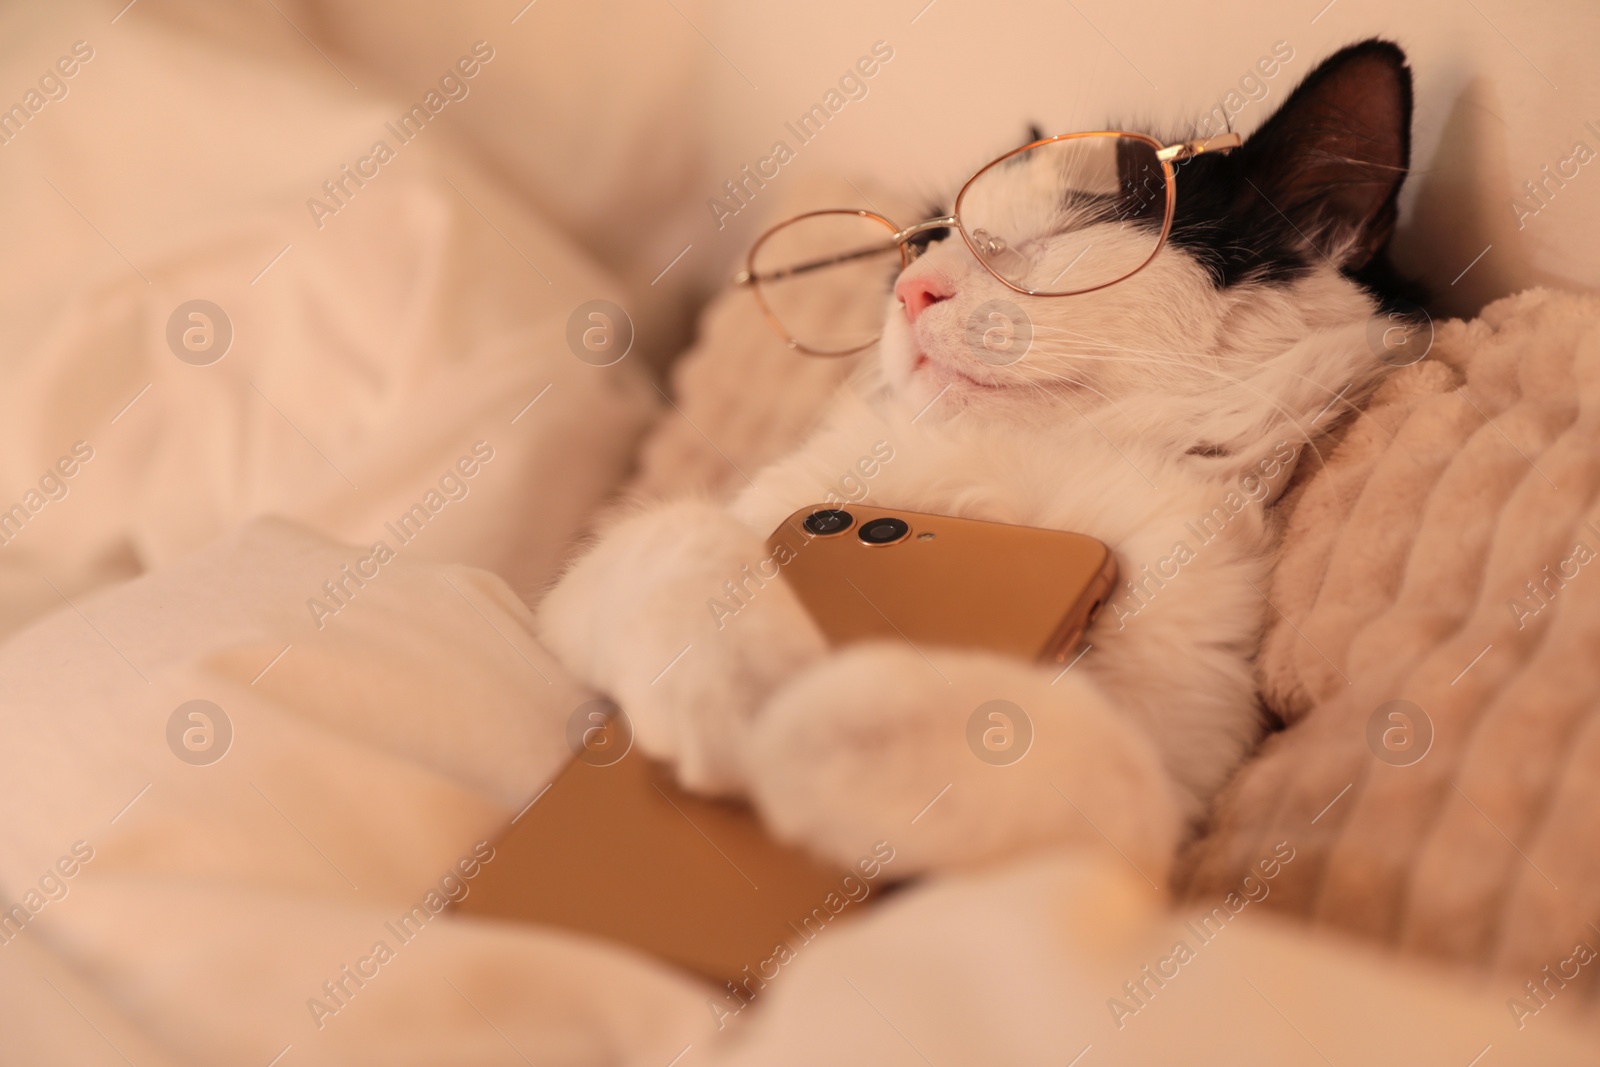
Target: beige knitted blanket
[(1435, 654)]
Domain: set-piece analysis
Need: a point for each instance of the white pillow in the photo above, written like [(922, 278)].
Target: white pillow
[(595, 112)]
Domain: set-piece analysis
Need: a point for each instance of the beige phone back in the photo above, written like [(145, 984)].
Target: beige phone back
[(1018, 590)]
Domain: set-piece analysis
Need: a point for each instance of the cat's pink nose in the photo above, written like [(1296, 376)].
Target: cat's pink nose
[(920, 290)]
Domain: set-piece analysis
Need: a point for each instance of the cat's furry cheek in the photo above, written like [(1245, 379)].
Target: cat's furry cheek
[(876, 744), (646, 617)]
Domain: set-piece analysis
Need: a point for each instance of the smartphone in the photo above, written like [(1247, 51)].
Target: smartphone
[(615, 849), (868, 572)]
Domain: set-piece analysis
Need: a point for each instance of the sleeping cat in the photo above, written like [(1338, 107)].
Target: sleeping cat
[(1161, 414)]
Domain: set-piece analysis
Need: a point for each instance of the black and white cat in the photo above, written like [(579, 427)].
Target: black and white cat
[(1162, 414)]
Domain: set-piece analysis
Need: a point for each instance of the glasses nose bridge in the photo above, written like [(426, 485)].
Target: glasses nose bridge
[(904, 237), (939, 223), (924, 226)]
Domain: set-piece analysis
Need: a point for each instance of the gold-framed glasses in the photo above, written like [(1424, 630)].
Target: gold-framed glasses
[(1057, 217)]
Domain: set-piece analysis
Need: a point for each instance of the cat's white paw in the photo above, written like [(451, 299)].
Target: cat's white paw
[(878, 743), (638, 618)]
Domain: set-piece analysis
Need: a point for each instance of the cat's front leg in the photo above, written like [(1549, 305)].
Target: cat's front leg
[(956, 758), (670, 615)]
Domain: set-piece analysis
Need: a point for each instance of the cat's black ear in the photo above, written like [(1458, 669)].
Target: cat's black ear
[(1331, 160)]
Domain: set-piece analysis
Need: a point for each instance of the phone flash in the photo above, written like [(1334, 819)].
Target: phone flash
[(924, 537)]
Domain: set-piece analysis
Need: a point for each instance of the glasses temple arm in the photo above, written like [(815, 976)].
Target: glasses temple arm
[(1223, 142)]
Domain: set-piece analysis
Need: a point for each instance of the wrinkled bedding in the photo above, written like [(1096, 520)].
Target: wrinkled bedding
[(367, 355), (349, 772), (216, 889)]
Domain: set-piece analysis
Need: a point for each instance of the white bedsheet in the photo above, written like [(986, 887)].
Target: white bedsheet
[(366, 761)]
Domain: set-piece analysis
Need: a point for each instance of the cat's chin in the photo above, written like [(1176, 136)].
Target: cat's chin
[(928, 379)]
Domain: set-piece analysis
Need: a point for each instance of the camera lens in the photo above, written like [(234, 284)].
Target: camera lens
[(829, 521), (883, 531)]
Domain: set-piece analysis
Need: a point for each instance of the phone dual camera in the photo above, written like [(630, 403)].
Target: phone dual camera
[(830, 521)]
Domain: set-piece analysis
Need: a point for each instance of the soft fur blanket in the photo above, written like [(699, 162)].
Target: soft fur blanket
[(1443, 556)]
